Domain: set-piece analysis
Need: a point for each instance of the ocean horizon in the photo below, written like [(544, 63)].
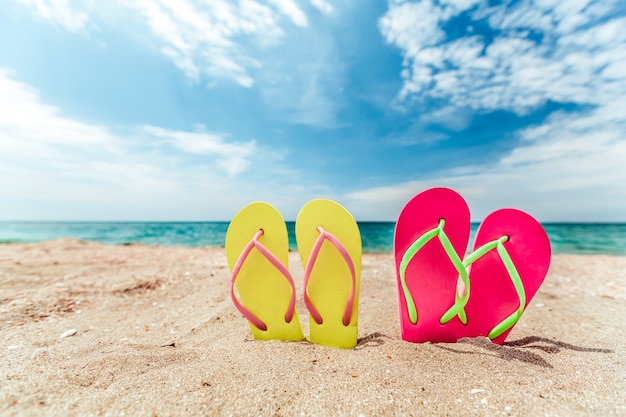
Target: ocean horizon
[(377, 237)]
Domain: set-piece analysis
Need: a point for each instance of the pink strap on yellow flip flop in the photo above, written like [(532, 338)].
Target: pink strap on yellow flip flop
[(324, 235), (254, 243)]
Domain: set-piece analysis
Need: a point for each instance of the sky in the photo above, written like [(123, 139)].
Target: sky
[(190, 109)]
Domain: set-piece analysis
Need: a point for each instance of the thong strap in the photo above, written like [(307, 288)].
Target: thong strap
[(498, 245), (254, 243), (324, 235)]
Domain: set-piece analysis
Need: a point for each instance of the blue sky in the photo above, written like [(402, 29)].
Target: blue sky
[(189, 109)]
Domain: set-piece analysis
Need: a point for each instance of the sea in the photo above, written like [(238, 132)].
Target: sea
[(377, 237)]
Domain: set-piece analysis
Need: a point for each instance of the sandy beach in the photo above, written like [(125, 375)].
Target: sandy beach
[(157, 335)]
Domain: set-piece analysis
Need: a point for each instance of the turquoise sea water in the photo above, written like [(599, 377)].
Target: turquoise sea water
[(377, 237)]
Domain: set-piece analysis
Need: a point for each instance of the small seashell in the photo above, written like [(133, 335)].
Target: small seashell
[(70, 332), (476, 391), (40, 353)]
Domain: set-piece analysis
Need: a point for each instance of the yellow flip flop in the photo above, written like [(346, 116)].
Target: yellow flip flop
[(329, 243), (257, 249)]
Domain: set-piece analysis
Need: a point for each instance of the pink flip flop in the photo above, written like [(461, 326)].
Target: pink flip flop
[(442, 298), (508, 264), (430, 240)]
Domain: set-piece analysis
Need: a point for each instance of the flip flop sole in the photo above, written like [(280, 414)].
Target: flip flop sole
[(430, 277), (330, 280), (262, 288)]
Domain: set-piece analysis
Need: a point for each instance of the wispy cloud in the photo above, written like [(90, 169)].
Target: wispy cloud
[(32, 128), (323, 6), (453, 118), (221, 39), (291, 9), (232, 157), (200, 38), (243, 41), (306, 89), (217, 39), (55, 157), (562, 170), (416, 135), (60, 12), (39, 132)]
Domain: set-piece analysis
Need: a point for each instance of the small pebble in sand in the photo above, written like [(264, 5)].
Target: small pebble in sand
[(476, 391), (13, 347), (484, 401), (40, 353), (68, 333)]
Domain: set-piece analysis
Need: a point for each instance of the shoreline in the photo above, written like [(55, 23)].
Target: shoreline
[(377, 237), (291, 250), (156, 333)]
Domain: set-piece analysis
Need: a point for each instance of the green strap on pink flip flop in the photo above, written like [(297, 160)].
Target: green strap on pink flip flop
[(509, 262), (461, 299)]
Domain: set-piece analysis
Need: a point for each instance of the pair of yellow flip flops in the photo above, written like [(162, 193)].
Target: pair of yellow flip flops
[(329, 242)]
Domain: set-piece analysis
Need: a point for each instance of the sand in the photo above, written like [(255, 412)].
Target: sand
[(157, 335)]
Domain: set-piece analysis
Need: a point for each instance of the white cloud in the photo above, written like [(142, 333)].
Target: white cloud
[(412, 26), (32, 128), (451, 117), (512, 71), (60, 12), (290, 9), (580, 187), (567, 169), (58, 159), (567, 52), (200, 39), (232, 157), (323, 6), (216, 39), (240, 41)]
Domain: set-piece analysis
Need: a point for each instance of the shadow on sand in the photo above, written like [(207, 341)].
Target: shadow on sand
[(520, 349), (371, 340)]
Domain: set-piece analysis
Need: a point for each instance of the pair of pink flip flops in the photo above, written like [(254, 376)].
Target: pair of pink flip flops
[(445, 294)]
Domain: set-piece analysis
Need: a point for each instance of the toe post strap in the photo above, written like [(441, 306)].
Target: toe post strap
[(325, 235), (256, 244)]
